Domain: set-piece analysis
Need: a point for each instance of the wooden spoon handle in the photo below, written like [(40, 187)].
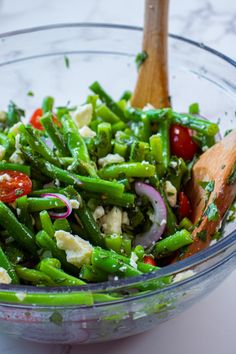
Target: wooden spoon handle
[(152, 83)]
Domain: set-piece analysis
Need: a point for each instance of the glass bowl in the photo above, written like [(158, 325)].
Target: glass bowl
[(35, 60)]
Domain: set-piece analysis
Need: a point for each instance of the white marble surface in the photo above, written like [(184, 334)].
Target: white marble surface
[(209, 326)]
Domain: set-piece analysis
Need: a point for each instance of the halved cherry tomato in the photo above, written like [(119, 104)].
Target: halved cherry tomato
[(13, 184), (181, 142), (184, 206), (149, 260), (35, 119)]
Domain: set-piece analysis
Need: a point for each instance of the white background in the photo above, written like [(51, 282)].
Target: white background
[(209, 326)]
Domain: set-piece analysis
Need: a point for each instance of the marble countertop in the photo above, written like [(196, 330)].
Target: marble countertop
[(209, 326)]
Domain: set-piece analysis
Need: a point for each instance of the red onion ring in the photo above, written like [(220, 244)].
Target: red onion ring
[(65, 200), (150, 237)]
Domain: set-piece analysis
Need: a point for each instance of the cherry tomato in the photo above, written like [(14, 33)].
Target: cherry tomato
[(13, 184), (181, 142), (35, 119), (149, 260), (184, 206)]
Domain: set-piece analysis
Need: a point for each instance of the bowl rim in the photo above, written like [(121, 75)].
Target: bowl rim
[(171, 269)]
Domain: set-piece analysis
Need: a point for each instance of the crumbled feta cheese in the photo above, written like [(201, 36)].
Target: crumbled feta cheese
[(3, 116), (15, 129), (98, 212), (57, 182), (21, 296), (148, 107), (184, 275), (171, 193), (86, 132), (205, 148), (116, 278), (74, 204), (125, 218), (111, 222), (17, 142), (4, 277), (123, 268), (2, 152), (163, 222), (18, 211), (213, 242), (173, 164), (109, 159), (16, 157), (83, 115), (78, 251), (5, 177), (133, 260)]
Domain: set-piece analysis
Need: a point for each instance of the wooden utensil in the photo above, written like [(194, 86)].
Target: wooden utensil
[(152, 83), (217, 164)]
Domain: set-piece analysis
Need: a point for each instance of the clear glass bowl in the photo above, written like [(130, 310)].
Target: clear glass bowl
[(34, 60)]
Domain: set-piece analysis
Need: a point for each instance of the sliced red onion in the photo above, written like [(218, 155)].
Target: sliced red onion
[(65, 200), (150, 237)]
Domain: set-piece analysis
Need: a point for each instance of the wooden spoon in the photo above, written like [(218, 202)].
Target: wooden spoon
[(152, 83), (216, 164)]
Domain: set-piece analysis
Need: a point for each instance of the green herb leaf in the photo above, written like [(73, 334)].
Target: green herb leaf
[(56, 318), (208, 186), (67, 61), (228, 131), (140, 58), (194, 108), (212, 212), (30, 93)]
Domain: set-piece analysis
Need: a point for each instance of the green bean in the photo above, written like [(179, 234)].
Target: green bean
[(46, 223), (51, 267), (38, 204), (103, 139), (47, 105), (172, 243), (39, 192), (62, 224), (15, 167), (23, 213), (107, 115), (18, 231), (91, 274), (34, 276), (54, 134), (128, 169), (126, 200), (117, 127), (6, 264), (37, 145), (138, 151), (90, 226), (126, 95), (105, 261), (185, 223), (96, 88), (96, 185), (120, 149), (47, 243), (199, 124), (165, 142)]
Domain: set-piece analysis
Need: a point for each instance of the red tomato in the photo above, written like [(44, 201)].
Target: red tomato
[(149, 260), (184, 206), (35, 119), (181, 142), (13, 184)]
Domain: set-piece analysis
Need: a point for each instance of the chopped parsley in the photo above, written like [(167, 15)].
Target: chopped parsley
[(56, 318), (232, 178), (67, 61), (208, 186), (194, 108), (228, 131), (212, 212), (30, 93), (202, 235), (140, 58)]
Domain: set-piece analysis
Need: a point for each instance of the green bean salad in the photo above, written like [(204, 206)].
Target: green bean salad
[(95, 192)]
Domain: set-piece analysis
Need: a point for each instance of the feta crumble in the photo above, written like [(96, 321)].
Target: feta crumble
[(98, 212), (184, 275), (171, 193), (109, 159), (111, 222), (78, 251), (83, 115), (5, 177), (125, 218), (21, 296), (75, 204), (86, 132), (16, 157), (4, 277), (133, 260), (2, 152)]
